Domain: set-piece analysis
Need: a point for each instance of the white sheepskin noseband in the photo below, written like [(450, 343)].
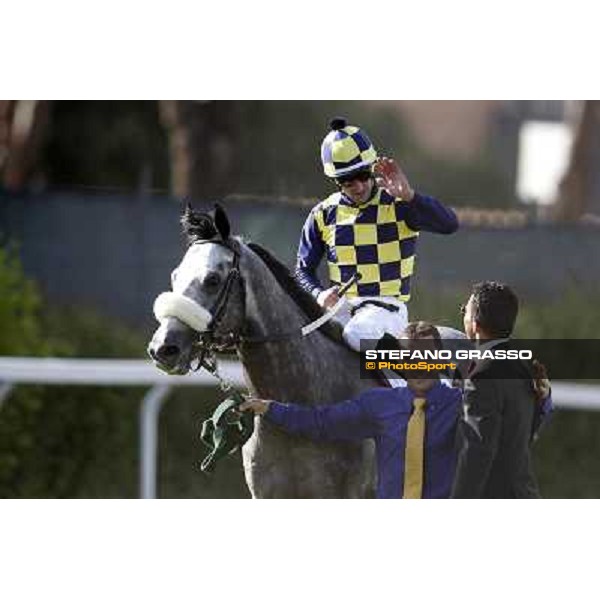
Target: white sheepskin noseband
[(169, 304)]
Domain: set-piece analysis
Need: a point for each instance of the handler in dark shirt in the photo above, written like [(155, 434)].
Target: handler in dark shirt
[(501, 405)]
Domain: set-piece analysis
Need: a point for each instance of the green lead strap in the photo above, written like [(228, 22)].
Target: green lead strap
[(227, 430)]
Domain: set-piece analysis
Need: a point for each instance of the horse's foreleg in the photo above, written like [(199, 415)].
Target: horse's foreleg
[(267, 463)]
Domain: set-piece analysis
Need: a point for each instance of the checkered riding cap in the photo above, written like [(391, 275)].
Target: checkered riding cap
[(346, 149)]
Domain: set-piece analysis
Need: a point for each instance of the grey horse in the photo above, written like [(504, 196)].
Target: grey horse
[(233, 294)]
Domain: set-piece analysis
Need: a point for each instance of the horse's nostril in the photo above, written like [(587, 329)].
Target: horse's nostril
[(167, 351)]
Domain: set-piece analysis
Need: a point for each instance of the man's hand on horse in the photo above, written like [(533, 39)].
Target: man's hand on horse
[(391, 178), (328, 298), (257, 405)]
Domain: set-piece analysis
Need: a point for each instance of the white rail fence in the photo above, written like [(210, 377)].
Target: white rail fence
[(110, 372)]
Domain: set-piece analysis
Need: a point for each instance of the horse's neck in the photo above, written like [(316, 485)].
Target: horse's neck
[(311, 369)]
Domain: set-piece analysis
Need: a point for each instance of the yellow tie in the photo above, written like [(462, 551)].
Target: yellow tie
[(413, 457)]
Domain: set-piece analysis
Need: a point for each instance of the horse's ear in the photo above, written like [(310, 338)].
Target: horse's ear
[(222, 222)]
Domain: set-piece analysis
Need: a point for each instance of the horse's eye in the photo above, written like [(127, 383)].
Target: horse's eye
[(212, 281)]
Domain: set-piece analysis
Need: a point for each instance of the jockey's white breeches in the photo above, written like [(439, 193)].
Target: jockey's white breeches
[(370, 322)]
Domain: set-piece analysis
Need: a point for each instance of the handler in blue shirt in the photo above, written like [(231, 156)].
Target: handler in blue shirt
[(414, 428)]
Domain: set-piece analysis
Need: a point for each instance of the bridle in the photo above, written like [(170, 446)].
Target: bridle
[(203, 353), (210, 341)]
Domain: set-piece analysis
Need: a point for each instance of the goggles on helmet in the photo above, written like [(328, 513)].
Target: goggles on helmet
[(363, 175)]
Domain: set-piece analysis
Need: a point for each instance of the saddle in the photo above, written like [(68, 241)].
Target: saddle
[(226, 431)]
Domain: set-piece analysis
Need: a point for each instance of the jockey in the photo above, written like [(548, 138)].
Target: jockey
[(369, 226)]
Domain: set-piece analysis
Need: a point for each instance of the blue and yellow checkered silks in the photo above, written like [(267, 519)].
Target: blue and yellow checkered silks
[(345, 149), (372, 239)]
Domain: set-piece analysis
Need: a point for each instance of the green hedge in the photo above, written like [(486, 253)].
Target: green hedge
[(62, 441)]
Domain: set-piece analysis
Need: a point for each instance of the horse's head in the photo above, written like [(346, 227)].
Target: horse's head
[(206, 306)]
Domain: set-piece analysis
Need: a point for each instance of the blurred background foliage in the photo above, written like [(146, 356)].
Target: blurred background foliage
[(95, 143), (281, 145), (251, 147)]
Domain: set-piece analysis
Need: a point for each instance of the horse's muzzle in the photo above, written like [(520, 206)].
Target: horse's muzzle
[(171, 347), (167, 358)]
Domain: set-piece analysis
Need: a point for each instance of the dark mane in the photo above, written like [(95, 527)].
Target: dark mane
[(286, 280)]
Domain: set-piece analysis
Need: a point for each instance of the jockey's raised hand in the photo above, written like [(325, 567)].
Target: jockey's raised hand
[(390, 177), (329, 297)]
